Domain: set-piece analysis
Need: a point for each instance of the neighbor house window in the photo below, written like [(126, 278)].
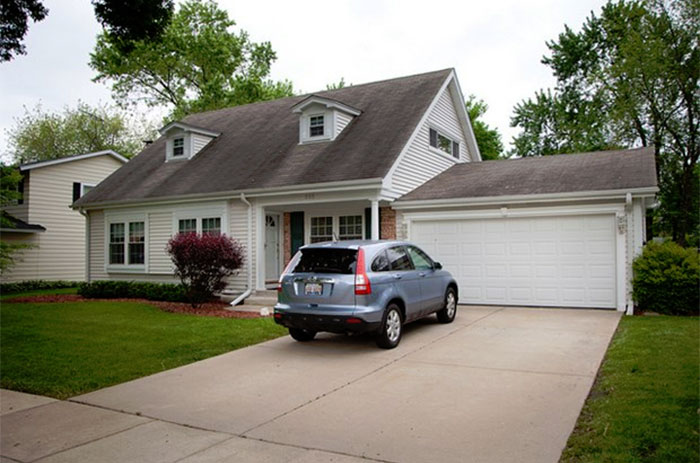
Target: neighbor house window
[(321, 229), (137, 242), (350, 227), (178, 147), (444, 143), (211, 226), (185, 226), (116, 243), (316, 126)]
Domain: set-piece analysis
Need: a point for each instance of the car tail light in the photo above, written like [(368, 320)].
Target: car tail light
[(362, 284)]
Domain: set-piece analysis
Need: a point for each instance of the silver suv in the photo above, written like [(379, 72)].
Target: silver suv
[(360, 287)]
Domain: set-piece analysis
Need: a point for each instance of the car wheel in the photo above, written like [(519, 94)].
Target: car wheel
[(301, 335), (392, 328), (448, 313)]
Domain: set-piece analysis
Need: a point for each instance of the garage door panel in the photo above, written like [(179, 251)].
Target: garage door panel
[(546, 261)]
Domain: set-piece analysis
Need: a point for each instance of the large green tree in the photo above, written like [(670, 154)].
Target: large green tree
[(9, 194), (488, 138), (14, 16), (129, 22), (629, 77), (40, 135), (199, 63)]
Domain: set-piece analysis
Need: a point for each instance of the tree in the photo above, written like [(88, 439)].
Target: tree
[(337, 85), (488, 139), (629, 77), (41, 135), (129, 22), (9, 180), (198, 64), (203, 261), (14, 15)]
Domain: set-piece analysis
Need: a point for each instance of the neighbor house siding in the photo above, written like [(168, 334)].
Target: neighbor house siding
[(421, 162), (60, 254)]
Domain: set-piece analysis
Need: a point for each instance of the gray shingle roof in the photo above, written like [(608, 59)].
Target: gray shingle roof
[(564, 173), (259, 145)]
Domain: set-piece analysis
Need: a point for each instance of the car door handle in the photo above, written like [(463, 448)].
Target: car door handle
[(397, 276), (421, 274)]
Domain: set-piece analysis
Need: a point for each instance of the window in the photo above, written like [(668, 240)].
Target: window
[(85, 188), (327, 261), (420, 260), (316, 126), (211, 226), (116, 243), (178, 147), (321, 229), (380, 263), (398, 259), (444, 143), (350, 227), (187, 226), (137, 242)]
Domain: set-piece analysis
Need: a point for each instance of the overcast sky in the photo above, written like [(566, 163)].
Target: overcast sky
[(495, 46)]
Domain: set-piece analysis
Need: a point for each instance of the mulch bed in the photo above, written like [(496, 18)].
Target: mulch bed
[(210, 309)]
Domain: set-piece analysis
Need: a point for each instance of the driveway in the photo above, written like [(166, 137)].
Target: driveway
[(497, 385)]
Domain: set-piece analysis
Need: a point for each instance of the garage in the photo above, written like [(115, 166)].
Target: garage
[(566, 261)]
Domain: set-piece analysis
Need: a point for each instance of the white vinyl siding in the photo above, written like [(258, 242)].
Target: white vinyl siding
[(160, 227), (199, 142), (341, 121), (423, 162), (60, 254), (238, 220)]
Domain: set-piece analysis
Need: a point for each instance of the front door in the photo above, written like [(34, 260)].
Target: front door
[(272, 248)]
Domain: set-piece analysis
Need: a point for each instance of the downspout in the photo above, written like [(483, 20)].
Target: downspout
[(249, 260), (87, 243)]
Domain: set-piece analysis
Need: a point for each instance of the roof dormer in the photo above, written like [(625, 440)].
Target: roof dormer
[(322, 119), (184, 141)]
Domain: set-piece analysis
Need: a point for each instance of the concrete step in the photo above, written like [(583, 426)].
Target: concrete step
[(264, 301)]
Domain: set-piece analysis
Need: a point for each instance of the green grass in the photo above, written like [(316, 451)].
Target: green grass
[(644, 404), (64, 349), (39, 292)]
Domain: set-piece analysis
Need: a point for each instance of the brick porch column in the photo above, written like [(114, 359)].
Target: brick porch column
[(287, 231), (387, 223)]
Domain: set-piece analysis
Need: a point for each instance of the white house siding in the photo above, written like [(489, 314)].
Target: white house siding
[(421, 162), (238, 229), (160, 228), (21, 211), (199, 142), (341, 121), (60, 254)]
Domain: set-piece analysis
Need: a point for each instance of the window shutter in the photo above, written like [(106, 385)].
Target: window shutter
[(455, 149), (296, 230), (433, 138), (368, 223), (76, 191), (20, 190)]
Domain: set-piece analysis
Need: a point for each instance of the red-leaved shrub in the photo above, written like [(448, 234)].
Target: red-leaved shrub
[(203, 261)]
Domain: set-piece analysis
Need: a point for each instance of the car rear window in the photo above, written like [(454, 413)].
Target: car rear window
[(320, 260)]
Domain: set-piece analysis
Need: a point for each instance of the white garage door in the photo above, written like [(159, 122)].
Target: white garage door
[(540, 261)]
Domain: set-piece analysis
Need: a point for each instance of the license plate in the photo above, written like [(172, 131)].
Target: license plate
[(313, 289)]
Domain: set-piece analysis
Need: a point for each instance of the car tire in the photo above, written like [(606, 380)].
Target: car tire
[(391, 329), (301, 335), (448, 313)]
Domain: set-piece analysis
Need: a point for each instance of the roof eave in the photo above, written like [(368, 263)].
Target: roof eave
[(327, 102), (51, 162)]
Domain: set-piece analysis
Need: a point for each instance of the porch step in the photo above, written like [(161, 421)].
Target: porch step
[(262, 298)]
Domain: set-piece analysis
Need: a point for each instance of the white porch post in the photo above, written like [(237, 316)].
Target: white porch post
[(375, 219)]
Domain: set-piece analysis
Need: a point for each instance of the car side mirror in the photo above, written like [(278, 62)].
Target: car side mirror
[(437, 266)]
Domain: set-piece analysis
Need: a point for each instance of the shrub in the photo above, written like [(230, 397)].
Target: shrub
[(203, 261), (133, 290), (34, 285), (666, 279)]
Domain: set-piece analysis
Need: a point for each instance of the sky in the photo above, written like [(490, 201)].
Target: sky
[(495, 47)]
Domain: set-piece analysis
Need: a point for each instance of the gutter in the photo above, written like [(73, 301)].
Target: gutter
[(87, 243), (249, 260)]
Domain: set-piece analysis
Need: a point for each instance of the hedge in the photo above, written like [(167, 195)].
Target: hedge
[(666, 279), (133, 290), (34, 285)]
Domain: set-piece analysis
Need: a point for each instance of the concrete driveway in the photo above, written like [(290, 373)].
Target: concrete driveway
[(497, 385)]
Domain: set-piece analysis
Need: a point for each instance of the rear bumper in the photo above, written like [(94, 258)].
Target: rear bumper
[(331, 323)]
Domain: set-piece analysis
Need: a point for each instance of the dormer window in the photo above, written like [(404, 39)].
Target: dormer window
[(316, 125), (444, 143), (178, 147)]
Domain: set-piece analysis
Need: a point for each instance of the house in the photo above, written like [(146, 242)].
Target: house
[(44, 219), (389, 159)]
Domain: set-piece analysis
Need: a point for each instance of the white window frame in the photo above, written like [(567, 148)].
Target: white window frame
[(82, 188), (126, 267), (186, 148), (450, 137), (211, 212), (175, 146), (328, 126), (335, 223)]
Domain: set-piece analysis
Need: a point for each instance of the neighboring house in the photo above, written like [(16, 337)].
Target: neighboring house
[(390, 159), (44, 219)]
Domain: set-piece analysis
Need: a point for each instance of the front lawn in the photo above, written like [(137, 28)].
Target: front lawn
[(39, 292), (644, 404), (64, 349)]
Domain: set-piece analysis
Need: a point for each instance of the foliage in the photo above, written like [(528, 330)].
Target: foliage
[(65, 349), (666, 279), (643, 405), (10, 178), (14, 15), (41, 135), (133, 290), (35, 285), (488, 139), (203, 261), (629, 77), (198, 64), (128, 22), (337, 85)]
